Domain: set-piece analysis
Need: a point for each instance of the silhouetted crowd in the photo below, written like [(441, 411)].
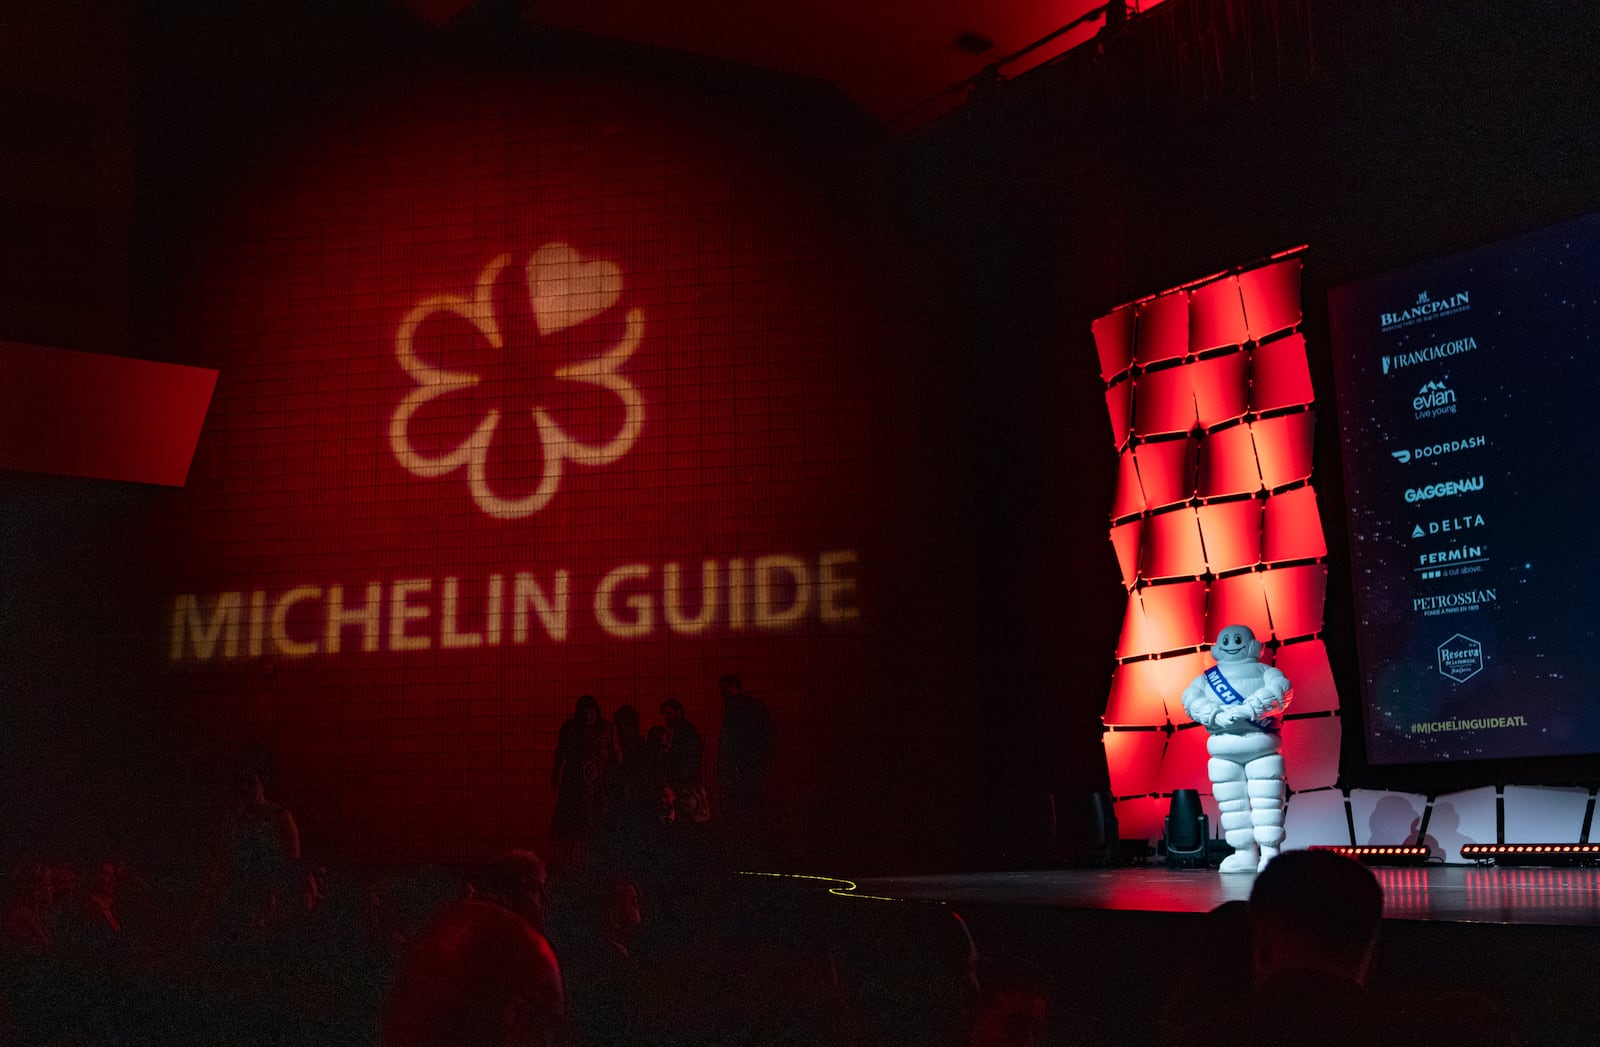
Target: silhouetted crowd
[(644, 932)]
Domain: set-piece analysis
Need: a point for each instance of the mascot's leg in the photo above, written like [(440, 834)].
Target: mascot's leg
[(1265, 784), (1229, 788)]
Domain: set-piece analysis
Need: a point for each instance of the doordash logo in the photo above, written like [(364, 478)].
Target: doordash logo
[(564, 290)]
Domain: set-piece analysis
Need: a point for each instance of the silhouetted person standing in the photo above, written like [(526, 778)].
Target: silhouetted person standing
[(685, 751), (586, 751), (744, 759)]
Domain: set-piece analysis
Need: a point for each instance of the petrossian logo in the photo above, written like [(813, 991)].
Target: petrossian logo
[(1452, 603), (1426, 308), (564, 290), (1448, 489), (1434, 399), (1438, 450), (1428, 354)]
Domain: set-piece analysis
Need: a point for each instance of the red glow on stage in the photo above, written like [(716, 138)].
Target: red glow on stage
[(1113, 338), (1172, 546), (1294, 599), (1163, 402), (1221, 388), (1129, 497), (1228, 463), (1133, 758), (1231, 532), (1145, 692), (1239, 599), (1283, 448), (1306, 663), (1163, 618), (1126, 539), (1292, 529), (1280, 375), (1271, 297)]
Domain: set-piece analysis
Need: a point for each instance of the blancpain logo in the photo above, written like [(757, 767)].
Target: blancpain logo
[(1448, 489), (1438, 450), (1429, 353), (1448, 525), (1425, 309), (1432, 400)]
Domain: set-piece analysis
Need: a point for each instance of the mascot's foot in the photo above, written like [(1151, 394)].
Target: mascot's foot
[(1241, 861), (1267, 854)]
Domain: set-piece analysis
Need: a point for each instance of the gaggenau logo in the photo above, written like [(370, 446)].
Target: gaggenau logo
[(1425, 308), (1448, 489)]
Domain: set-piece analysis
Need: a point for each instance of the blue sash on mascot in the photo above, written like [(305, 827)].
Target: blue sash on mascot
[(1228, 696)]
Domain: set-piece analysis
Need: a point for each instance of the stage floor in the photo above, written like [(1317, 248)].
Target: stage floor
[(1443, 893)]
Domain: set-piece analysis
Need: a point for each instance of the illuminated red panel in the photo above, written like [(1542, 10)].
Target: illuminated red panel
[(1220, 385), (1271, 297), (1113, 339), (1136, 697), (107, 417), (1163, 618), (1311, 751), (1216, 316), (1283, 447), (1172, 546), (1119, 405), (1163, 329), (1184, 764), (1166, 472), (1306, 666), (1146, 692), (1294, 599), (1239, 599), (1279, 375), (1293, 529), (1228, 463), (1125, 540), (1140, 818), (1133, 758), (1231, 532), (1163, 402), (1129, 496)]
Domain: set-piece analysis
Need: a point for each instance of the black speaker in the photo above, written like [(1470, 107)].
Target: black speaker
[(1104, 844)]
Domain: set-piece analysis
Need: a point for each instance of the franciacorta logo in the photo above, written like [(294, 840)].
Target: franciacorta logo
[(631, 601)]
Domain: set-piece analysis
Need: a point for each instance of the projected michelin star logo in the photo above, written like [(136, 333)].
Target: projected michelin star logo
[(564, 290)]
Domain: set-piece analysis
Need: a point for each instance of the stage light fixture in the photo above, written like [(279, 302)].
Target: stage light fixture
[(1380, 855), (1532, 853), (1186, 831)]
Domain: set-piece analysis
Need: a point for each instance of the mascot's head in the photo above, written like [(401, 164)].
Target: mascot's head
[(1236, 643)]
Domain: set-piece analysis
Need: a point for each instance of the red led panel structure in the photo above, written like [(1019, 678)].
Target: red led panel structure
[(1113, 337), (1221, 388), (1166, 472), (1231, 534), (1172, 546), (1119, 405), (1162, 330), (1248, 532), (1163, 402), (1129, 495), (1216, 315), (1293, 527), (1163, 618), (1271, 296), (1279, 375)]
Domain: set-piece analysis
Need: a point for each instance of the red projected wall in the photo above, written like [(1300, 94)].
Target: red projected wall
[(1214, 523), (529, 389)]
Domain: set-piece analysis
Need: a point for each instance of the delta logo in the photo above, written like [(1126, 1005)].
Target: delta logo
[(1425, 308)]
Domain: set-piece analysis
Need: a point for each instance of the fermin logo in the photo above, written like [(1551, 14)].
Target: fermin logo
[(1453, 562), (1460, 658), (1432, 400), (1448, 489), (1449, 525), (1429, 353), (1425, 308)]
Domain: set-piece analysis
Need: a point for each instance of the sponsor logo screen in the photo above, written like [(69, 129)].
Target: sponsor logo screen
[(1465, 395)]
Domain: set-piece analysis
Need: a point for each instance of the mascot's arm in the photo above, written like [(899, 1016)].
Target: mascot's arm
[(1272, 696), (1201, 703)]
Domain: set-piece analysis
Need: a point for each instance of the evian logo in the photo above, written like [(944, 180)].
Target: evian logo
[(563, 290), (1434, 399), (1426, 308)]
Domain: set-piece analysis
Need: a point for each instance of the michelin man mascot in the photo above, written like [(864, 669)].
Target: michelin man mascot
[(1239, 702)]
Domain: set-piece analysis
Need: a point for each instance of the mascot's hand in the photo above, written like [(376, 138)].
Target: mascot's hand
[(1228, 716)]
